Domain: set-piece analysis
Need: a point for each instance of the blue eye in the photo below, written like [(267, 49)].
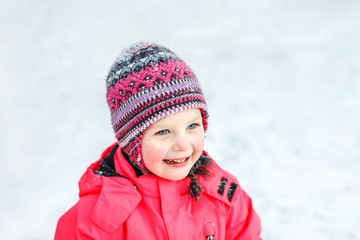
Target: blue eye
[(192, 126), (162, 132)]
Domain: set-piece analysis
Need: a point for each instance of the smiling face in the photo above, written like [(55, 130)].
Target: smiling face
[(172, 145)]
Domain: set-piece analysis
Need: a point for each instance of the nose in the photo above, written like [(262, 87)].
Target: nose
[(181, 143)]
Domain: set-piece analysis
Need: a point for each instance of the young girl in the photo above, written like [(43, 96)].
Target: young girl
[(156, 181)]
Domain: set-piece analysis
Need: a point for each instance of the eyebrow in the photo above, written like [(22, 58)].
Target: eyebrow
[(191, 120), (197, 118)]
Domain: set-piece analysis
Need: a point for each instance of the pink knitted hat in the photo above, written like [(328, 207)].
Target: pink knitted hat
[(148, 82)]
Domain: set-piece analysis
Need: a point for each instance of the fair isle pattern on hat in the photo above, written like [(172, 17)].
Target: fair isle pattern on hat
[(148, 82)]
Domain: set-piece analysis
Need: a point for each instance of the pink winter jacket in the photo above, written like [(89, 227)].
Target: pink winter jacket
[(149, 207)]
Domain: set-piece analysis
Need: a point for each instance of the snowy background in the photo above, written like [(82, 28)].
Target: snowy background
[(282, 81)]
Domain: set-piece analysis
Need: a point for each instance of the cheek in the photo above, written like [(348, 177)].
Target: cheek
[(199, 145), (152, 154)]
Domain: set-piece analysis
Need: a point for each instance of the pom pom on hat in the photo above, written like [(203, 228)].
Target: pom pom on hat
[(148, 82)]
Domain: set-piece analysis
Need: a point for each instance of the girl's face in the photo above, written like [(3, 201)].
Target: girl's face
[(172, 145)]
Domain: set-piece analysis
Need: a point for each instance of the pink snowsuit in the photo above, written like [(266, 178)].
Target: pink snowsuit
[(149, 207)]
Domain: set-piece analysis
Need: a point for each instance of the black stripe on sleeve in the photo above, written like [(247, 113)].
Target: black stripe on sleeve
[(232, 190), (222, 184)]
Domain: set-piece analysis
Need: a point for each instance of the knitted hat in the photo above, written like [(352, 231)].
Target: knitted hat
[(148, 82)]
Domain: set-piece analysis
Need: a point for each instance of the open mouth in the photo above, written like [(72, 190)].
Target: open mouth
[(175, 161)]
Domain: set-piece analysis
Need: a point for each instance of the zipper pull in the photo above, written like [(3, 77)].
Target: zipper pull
[(209, 230)]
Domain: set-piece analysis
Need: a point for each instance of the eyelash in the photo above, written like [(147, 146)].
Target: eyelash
[(162, 132), (193, 125), (166, 131)]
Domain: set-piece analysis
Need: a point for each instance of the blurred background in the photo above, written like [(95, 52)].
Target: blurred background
[(281, 78)]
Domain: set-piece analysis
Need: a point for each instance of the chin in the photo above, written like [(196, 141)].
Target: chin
[(176, 177)]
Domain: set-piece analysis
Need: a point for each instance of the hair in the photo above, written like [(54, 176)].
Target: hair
[(202, 167)]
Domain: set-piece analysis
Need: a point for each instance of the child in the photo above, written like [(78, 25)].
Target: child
[(156, 181)]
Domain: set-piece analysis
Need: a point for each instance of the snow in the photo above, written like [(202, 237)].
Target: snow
[(282, 81)]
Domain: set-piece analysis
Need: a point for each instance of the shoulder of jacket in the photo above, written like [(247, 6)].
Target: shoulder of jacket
[(107, 206), (117, 200), (221, 185)]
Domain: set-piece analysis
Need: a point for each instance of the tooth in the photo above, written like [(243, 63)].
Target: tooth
[(175, 161)]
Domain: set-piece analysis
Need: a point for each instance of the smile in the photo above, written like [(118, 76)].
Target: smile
[(176, 161)]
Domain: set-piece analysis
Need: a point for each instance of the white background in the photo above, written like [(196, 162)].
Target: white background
[(282, 81)]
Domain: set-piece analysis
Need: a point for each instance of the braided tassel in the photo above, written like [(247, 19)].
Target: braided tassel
[(199, 168)]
